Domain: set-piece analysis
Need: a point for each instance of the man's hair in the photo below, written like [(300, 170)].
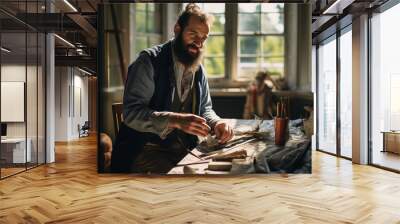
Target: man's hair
[(190, 10)]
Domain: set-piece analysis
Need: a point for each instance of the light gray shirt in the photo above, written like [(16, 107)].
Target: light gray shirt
[(184, 79)]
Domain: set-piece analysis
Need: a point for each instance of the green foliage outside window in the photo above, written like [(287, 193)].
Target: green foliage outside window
[(261, 39), (147, 26), (260, 33), (214, 58)]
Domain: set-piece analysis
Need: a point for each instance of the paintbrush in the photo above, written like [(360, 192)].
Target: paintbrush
[(191, 153)]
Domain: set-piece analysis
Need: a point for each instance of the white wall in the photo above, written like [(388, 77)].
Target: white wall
[(71, 87), (61, 103), (79, 117)]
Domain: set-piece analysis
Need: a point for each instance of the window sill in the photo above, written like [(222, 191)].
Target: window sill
[(228, 92), (233, 92), (221, 83)]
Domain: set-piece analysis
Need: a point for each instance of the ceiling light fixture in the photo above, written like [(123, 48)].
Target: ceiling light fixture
[(70, 5), (5, 50), (80, 51), (84, 71), (337, 7), (65, 41)]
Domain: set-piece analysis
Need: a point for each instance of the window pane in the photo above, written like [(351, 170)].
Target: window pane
[(327, 97), (140, 22), (249, 7), (147, 26), (273, 46), (249, 23), (272, 23), (140, 6), (218, 26), (215, 46), (150, 7), (140, 44), (248, 67), (267, 52), (154, 40), (271, 7), (346, 94), (215, 66), (248, 60), (153, 23), (210, 7), (273, 65), (249, 45), (13, 73), (385, 87), (213, 7), (214, 60)]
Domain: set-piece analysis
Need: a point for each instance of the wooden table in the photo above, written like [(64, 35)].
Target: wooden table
[(201, 168), (391, 141)]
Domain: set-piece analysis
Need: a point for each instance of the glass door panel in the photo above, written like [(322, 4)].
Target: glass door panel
[(346, 94), (327, 96), (385, 89), (14, 153)]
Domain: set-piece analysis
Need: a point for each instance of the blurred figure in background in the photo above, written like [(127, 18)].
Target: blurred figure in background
[(259, 101)]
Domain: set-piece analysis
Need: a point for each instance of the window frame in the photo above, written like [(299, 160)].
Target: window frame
[(148, 35), (231, 34), (336, 36), (218, 34), (260, 34), (261, 54), (370, 71)]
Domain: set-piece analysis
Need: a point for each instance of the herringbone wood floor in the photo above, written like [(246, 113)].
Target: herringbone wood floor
[(71, 191)]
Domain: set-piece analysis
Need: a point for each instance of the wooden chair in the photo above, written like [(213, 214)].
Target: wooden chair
[(84, 129), (117, 116)]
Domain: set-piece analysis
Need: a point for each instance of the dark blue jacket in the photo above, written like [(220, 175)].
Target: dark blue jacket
[(149, 88)]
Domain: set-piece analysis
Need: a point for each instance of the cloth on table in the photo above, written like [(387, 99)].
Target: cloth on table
[(293, 157)]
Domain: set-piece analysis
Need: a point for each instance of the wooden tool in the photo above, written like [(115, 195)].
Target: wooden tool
[(229, 148), (194, 163), (191, 153), (220, 166), (228, 156)]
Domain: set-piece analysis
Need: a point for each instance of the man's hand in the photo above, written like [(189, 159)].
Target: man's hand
[(223, 131), (189, 123)]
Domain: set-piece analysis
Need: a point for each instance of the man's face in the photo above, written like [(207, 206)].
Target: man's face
[(194, 35), (191, 41)]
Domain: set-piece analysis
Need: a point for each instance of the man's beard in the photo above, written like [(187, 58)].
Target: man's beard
[(183, 55)]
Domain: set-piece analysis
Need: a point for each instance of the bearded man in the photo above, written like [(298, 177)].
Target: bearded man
[(167, 103)]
